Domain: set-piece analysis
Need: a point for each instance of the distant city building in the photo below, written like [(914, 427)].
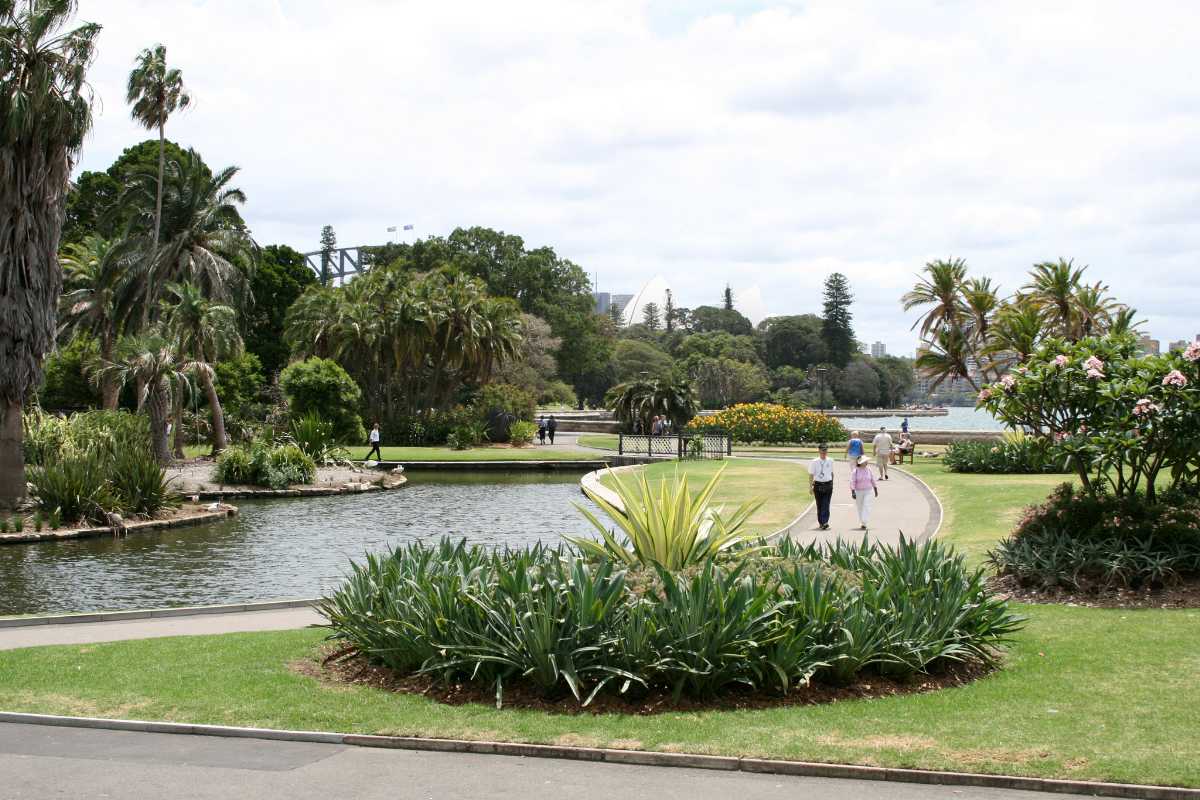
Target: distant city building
[(878, 350), (620, 301), (1148, 346), (1180, 345), (606, 301)]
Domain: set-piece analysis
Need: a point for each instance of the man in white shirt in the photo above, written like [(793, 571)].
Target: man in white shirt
[(882, 443), (820, 483)]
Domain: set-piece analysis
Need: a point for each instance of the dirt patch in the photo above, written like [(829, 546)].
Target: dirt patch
[(979, 757), (358, 671), (884, 742), (1184, 595)]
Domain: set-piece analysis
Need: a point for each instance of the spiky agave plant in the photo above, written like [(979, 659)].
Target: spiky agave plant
[(666, 525)]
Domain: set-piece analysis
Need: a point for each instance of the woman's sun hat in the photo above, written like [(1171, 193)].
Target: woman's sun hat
[(863, 461)]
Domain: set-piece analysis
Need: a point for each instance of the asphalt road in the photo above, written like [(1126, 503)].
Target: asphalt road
[(47, 762)]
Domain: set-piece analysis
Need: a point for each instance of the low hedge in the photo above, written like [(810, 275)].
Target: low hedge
[(1013, 455), (276, 466), (770, 621), (771, 424)]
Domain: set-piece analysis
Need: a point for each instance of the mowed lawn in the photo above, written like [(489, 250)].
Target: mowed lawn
[(782, 485), (1092, 694)]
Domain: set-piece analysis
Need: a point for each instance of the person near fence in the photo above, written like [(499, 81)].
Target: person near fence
[(373, 440), (863, 489), (541, 423), (820, 483), (551, 427)]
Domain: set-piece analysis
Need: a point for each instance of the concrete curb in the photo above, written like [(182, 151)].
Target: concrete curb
[(133, 526), (639, 757), (149, 613)]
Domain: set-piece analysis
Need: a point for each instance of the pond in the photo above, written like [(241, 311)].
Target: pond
[(286, 548)]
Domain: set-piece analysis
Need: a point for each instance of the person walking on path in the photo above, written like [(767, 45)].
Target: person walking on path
[(863, 489), (882, 444), (551, 427), (820, 483), (373, 440), (541, 430), (904, 425), (854, 448)]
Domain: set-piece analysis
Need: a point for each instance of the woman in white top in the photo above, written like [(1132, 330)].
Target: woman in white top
[(373, 440)]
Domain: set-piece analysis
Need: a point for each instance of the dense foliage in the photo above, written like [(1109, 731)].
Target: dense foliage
[(636, 403), (1012, 455), (772, 424), (565, 624), (320, 386), (1078, 540), (276, 466)]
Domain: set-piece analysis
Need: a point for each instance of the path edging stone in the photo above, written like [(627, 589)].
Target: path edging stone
[(149, 613), (638, 757)]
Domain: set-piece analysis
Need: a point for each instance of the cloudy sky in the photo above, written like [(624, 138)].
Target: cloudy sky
[(708, 141)]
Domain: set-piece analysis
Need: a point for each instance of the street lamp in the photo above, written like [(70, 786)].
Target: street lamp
[(821, 383)]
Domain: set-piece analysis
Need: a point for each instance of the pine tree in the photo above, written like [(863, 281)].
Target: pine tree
[(669, 313), (614, 313), (328, 248), (727, 298), (836, 330), (650, 316)]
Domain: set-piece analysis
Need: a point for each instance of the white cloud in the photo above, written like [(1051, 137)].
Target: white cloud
[(763, 145)]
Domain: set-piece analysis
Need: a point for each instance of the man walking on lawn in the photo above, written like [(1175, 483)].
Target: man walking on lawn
[(882, 444), (820, 483)]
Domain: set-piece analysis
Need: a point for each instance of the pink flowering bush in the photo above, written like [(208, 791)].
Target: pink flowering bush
[(1128, 423)]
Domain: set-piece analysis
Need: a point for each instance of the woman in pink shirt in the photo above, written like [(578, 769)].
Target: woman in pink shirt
[(863, 488)]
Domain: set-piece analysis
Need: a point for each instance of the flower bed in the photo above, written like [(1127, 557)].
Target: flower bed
[(552, 621), (770, 424)]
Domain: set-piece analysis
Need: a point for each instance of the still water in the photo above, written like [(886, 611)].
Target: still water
[(288, 547), (960, 418)]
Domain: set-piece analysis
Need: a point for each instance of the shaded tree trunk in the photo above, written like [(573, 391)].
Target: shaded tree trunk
[(158, 407), (12, 456), (109, 391), (177, 420), (214, 405)]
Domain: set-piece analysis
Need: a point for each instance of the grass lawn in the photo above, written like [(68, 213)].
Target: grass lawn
[(783, 485), (608, 441), (1093, 694)]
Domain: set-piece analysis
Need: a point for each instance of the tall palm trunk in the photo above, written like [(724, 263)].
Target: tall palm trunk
[(109, 391), (214, 406), (162, 155), (177, 423), (12, 456), (158, 406)]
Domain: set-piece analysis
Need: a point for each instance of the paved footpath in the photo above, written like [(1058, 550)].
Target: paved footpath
[(155, 627), (45, 762), (904, 505)]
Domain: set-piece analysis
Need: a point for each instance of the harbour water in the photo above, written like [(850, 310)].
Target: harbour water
[(959, 418)]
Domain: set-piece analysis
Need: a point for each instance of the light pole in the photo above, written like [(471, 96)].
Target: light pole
[(821, 388)]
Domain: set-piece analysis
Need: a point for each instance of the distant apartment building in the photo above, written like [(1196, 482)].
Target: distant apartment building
[(878, 350), (1148, 346), (606, 301), (1183, 344)]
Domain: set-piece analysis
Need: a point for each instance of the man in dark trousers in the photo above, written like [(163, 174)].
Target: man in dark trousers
[(551, 427), (820, 483)]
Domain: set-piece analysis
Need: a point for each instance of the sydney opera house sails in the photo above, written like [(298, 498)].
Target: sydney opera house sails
[(654, 291)]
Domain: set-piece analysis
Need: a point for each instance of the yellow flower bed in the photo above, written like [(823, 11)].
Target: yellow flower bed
[(770, 423)]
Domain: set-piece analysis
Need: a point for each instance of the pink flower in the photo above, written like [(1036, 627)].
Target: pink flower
[(1008, 382), (1095, 373), (1145, 407), (985, 395), (1192, 353), (1061, 361), (1175, 378), (1060, 435), (1095, 367)]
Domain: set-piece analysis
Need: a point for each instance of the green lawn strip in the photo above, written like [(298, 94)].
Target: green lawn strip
[(1063, 707), (783, 485), (534, 453)]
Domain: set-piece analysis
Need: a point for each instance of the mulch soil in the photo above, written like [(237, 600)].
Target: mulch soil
[(1183, 595), (329, 668)]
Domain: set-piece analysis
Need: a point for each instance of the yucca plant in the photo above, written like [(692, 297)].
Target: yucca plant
[(667, 526)]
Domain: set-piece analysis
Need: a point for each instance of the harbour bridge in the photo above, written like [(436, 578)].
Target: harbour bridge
[(343, 262)]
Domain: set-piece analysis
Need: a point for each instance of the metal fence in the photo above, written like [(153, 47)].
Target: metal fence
[(682, 446)]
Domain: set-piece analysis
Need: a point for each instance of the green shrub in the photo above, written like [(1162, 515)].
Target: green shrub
[(18, 523), (315, 437), (1013, 455), (498, 405), (567, 624), (468, 434), (522, 432), (558, 393), (3, 524), (274, 466), (139, 484), (770, 424), (66, 384), (78, 487), (55, 520), (48, 437), (1095, 542), (321, 386)]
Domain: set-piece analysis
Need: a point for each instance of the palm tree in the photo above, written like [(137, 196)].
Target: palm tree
[(941, 288), (309, 327), (203, 332), (156, 92), (947, 355), (1014, 335), (202, 234), (97, 298), (150, 361), (1052, 288), (45, 111), (641, 399), (1095, 309)]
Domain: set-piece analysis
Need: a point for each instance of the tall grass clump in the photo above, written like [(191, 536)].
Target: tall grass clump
[(276, 466), (573, 623)]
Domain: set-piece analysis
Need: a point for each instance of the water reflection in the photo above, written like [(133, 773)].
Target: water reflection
[(287, 547)]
